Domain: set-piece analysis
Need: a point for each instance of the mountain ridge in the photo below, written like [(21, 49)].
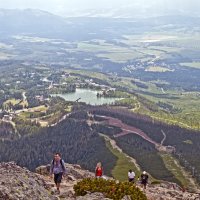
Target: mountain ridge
[(20, 183), (34, 22)]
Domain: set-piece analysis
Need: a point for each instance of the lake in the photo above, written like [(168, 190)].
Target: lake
[(88, 96)]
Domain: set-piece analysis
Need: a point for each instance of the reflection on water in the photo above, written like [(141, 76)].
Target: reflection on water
[(88, 96)]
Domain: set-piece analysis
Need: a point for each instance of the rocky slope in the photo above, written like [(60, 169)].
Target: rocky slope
[(18, 183)]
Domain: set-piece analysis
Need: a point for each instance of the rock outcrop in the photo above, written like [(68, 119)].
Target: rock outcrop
[(169, 191), (17, 183)]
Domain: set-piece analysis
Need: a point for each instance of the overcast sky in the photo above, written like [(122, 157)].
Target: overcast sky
[(62, 7)]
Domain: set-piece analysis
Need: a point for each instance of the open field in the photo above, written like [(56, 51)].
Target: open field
[(33, 112), (189, 113), (121, 57), (12, 101), (15, 102), (31, 39), (38, 109), (86, 46), (157, 69)]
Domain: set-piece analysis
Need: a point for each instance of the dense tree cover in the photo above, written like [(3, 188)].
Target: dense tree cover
[(73, 139), (186, 152), (178, 79), (5, 94), (95, 80), (31, 97), (7, 131), (55, 77), (62, 89), (57, 104), (106, 129), (81, 115), (139, 84), (169, 108), (126, 102), (32, 102), (113, 93), (2, 99)]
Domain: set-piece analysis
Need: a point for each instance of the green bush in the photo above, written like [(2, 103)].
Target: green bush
[(110, 188)]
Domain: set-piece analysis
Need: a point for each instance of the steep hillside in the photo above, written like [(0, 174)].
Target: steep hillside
[(176, 138), (19, 183)]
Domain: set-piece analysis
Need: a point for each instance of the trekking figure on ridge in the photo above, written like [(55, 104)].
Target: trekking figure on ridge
[(98, 170), (144, 179), (57, 170), (131, 176)]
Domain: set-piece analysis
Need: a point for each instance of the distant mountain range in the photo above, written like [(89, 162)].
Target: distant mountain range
[(130, 12), (41, 23), (29, 22)]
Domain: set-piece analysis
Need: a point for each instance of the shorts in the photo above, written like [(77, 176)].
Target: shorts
[(58, 178), (131, 180)]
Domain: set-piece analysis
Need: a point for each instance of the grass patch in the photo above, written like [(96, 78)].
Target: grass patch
[(33, 112), (43, 123), (38, 109), (25, 114), (12, 101), (16, 101), (123, 165), (172, 166), (157, 69)]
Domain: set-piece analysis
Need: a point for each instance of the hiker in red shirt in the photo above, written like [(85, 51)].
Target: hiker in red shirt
[(98, 171)]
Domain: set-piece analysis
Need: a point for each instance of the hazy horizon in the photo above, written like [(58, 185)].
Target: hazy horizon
[(109, 8)]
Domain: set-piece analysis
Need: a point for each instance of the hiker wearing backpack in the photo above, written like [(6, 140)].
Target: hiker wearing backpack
[(144, 179), (57, 170), (98, 170)]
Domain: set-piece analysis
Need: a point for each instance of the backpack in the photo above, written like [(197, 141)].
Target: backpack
[(61, 162)]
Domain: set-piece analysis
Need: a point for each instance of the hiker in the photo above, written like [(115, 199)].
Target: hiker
[(98, 170), (57, 170), (131, 176), (144, 179)]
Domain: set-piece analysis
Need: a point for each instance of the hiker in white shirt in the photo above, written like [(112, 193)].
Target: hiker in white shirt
[(131, 176)]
